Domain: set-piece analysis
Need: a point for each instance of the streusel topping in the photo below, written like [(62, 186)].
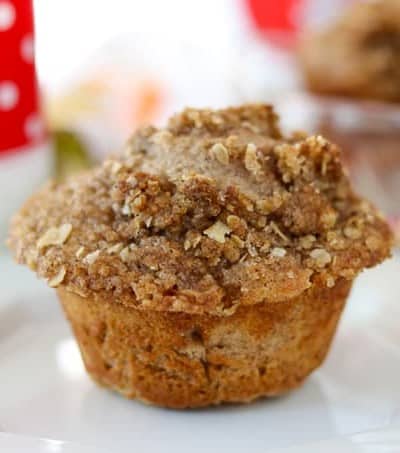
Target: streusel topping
[(216, 210)]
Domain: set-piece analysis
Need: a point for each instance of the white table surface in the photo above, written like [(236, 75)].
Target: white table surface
[(351, 404)]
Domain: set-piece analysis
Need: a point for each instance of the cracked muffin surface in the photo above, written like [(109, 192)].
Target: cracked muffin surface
[(214, 211)]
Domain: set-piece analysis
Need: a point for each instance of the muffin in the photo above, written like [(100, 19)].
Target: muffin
[(208, 263), (359, 55)]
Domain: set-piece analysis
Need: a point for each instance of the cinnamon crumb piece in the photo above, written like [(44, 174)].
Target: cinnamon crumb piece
[(252, 250), (262, 222), (306, 242), (90, 258), (324, 164), (328, 218), (236, 224), (243, 258), (278, 252), (290, 161), (116, 248), (161, 137), (238, 241), (132, 181), (330, 282), (231, 251), (321, 257), (251, 127), (55, 236), (124, 254), (215, 119), (277, 231), (352, 233), (265, 247), (219, 151), (250, 159), (195, 117), (126, 210), (58, 278), (336, 241), (270, 204), (373, 243), (192, 240), (347, 273), (247, 203), (263, 206), (217, 231), (79, 253), (319, 140), (139, 202)]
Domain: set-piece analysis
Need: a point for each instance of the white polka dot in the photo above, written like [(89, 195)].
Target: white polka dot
[(7, 15), (33, 127), (27, 48), (9, 95)]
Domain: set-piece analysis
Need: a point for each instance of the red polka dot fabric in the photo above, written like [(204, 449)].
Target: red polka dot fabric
[(20, 119)]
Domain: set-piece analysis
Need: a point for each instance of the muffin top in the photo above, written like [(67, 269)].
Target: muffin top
[(357, 56), (214, 211)]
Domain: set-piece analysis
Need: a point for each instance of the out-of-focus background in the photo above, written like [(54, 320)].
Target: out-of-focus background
[(107, 67)]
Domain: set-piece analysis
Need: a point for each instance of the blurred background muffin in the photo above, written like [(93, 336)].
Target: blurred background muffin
[(358, 55), (351, 69)]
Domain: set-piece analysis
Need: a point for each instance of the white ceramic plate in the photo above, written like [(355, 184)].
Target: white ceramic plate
[(11, 443), (45, 393)]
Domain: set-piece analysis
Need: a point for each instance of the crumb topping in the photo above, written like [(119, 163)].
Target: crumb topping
[(55, 236), (217, 231), (57, 279), (216, 210)]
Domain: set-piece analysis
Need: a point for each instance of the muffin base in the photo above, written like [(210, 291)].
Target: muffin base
[(180, 360)]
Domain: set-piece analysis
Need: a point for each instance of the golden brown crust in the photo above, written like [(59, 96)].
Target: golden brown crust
[(359, 55), (180, 360), (216, 211)]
